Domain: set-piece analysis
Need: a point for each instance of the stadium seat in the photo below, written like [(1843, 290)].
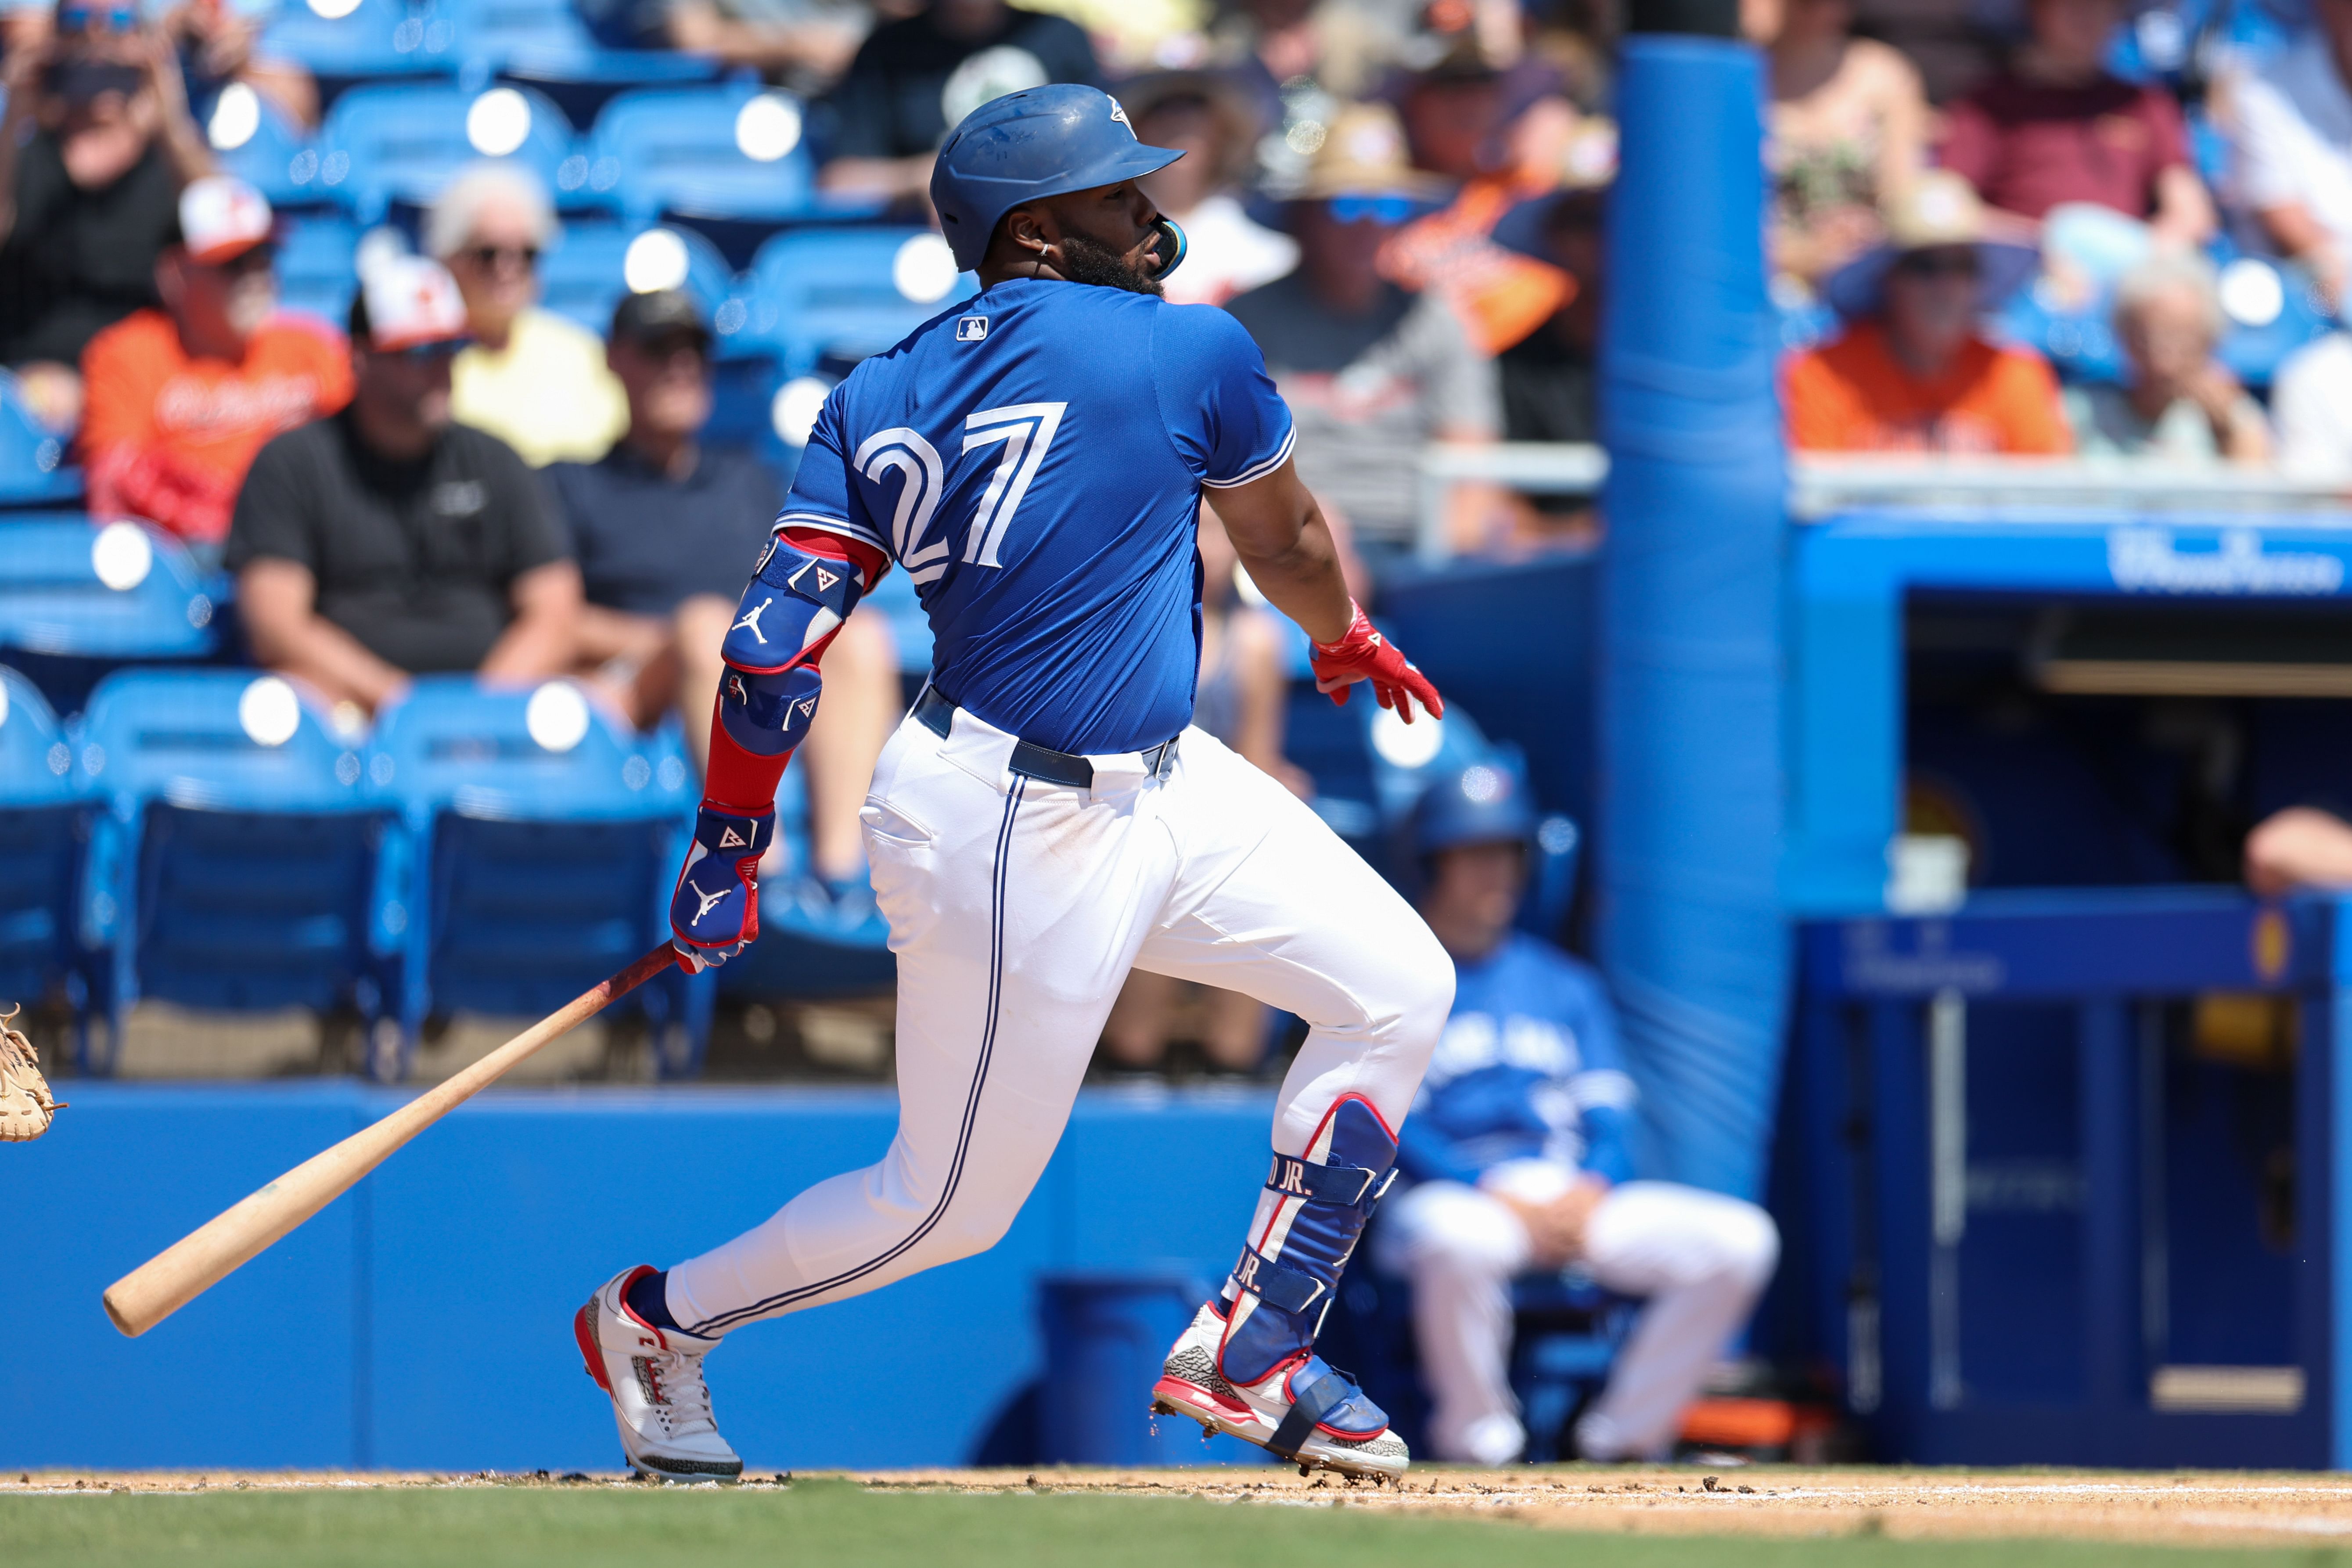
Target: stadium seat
[(43, 825), (834, 295), (235, 864), (387, 143), (546, 40), (77, 601), (594, 263), (253, 141), (538, 844), (734, 151), (317, 266), (342, 41), (33, 467)]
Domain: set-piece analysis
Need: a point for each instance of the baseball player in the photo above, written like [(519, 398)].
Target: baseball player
[(1517, 1158), (1044, 820)]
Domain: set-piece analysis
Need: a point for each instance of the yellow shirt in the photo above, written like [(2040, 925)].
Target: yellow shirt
[(547, 394)]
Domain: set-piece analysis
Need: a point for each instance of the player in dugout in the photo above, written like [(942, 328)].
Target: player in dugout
[(1048, 817), (1519, 1160)]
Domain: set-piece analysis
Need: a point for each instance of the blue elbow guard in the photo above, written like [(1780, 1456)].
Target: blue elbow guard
[(767, 713), (794, 601)]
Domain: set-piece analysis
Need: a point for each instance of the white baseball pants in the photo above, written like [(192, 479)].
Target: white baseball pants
[(1700, 1257), (1016, 909)]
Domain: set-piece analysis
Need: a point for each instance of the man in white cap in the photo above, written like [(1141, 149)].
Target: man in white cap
[(387, 540), (180, 398)]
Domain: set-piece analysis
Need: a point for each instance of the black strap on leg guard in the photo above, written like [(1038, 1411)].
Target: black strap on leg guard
[(1311, 1400)]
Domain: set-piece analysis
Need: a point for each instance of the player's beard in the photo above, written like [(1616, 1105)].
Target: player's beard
[(1089, 260)]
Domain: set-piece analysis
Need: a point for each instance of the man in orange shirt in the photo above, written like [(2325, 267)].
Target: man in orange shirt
[(1911, 372), (179, 400)]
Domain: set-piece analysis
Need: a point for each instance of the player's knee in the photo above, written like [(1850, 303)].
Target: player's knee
[(1751, 1245), (970, 1228), (1420, 984)]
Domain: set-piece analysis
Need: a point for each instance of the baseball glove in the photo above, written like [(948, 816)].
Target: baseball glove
[(26, 1107)]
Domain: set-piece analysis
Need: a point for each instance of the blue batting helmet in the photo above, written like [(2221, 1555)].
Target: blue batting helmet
[(1043, 142), (1486, 803)]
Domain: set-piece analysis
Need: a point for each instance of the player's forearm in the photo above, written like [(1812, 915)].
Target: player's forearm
[(1286, 546)]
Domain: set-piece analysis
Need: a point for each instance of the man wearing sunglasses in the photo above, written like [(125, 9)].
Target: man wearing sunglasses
[(1911, 372), (387, 540), (1371, 371), (96, 143), (180, 399)]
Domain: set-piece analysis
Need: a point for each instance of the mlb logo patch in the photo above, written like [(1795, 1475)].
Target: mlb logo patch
[(971, 328)]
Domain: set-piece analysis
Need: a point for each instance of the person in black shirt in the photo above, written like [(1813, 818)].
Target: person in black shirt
[(384, 540), (914, 79), (95, 146), (1552, 377), (665, 529)]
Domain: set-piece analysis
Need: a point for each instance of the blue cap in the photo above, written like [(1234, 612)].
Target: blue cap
[(1042, 142), (1486, 803)]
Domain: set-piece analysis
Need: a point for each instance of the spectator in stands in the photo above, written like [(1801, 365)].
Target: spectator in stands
[(913, 79), (1338, 49), (666, 531), (180, 399), (2311, 402), (1551, 378), (2291, 121), (529, 377), (1848, 125), (2103, 164), (1496, 138), (1910, 373), (218, 43), (804, 44), (1243, 684), (387, 540), (1206, 118), (2182, 404), (2300, 848), (1370, 371), (96, 143), (1517, 1153)]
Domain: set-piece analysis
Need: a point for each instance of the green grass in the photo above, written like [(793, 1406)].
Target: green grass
[(827, 1522)]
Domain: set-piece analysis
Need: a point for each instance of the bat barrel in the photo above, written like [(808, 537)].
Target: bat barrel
[(217, 1249)]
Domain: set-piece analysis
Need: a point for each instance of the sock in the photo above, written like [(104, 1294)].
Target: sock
[(649, 1299)]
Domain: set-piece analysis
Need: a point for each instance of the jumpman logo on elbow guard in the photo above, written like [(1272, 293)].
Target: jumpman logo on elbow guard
[(751, 621)]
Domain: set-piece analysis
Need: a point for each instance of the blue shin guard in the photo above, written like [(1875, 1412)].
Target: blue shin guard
[(1284, 1283)]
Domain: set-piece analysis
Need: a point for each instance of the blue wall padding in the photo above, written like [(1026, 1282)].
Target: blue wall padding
[(1689, 738), (425, 1319)]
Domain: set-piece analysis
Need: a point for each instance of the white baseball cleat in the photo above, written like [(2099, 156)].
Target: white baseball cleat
[(1191, 1385), (654, 1377)]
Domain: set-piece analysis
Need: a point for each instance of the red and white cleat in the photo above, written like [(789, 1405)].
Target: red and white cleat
[(1353, 1437), (654, 1377)]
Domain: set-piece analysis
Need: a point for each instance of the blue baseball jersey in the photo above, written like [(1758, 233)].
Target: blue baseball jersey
[(1034, 459), (1528, 1068)]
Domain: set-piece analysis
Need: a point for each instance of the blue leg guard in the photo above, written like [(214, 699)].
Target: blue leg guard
[(1285, 1279)]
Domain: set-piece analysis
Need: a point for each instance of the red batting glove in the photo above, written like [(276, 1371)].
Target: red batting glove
[(1364, 655)]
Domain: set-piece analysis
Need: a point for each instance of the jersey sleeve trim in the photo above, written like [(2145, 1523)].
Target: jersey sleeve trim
[(1259, 470), (824, 524)]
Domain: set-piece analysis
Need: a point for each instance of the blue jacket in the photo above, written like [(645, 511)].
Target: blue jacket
[(1528, 1068)]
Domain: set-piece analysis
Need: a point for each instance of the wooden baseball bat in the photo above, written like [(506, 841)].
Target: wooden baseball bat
[(204, 1256)]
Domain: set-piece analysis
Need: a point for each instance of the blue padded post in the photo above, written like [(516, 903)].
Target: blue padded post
[(1688, 824)]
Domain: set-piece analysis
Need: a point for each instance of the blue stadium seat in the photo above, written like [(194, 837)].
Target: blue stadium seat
[(253, 141), (387, 143), (537, 845), (33, 467), (546, 40), (317, 266), (683, 150), (43, 824), (584, 276), (374, 39), (236, 863), (76, 601), (837, 295)]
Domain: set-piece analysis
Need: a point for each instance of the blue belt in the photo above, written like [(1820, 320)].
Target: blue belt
[(936, 713)]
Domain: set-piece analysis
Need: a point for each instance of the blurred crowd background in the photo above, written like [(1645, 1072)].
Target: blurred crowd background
[(481, 337)]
